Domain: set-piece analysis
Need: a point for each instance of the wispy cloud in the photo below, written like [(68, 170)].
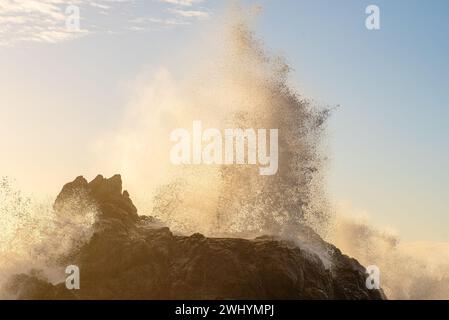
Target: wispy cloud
[(175, 15), (144, 23), (100, 5), (45, 20), (187, 3), (39, 20), (190, 13)]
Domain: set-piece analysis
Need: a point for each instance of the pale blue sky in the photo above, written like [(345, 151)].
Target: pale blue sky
[(389, 140), (389, 145)]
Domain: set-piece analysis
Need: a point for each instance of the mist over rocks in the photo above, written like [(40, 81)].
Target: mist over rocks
[(136, 257), (105, 194)]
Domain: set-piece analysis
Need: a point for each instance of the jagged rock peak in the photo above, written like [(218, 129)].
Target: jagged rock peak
[(105, 193), (131, 257)]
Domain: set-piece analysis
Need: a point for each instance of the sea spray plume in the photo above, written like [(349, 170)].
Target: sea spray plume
[(35, 236), (408, 270), (257, 95), (154, 263)]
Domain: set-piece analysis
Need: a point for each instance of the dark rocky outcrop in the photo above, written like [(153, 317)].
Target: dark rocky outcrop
[(134, 257)]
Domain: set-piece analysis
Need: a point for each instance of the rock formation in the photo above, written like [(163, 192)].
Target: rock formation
[(135, 257)]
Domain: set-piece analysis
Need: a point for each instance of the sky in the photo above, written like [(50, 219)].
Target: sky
[(387, 141)]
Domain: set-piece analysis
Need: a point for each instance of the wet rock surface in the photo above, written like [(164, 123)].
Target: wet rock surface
[(135, 257)]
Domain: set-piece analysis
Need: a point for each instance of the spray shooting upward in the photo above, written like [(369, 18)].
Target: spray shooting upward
[(250, 88), (35, 236), (241, 86)]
